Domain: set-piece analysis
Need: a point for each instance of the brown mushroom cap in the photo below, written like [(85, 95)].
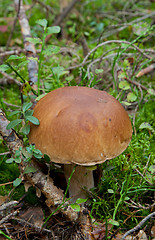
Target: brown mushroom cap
[(80, 125)]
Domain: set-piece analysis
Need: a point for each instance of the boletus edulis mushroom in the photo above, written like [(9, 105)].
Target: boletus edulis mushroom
[(82, 126)]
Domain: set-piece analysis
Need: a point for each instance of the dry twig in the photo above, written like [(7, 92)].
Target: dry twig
[(9, 79), (8, 205), (138, 226), (8, 217)]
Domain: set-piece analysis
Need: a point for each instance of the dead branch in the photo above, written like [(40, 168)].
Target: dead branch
[(146, 70), (9, 79), (8, 217), (9, 205), (151, 184), (138, 226), (4, 184), (29, 47), (137, 84)]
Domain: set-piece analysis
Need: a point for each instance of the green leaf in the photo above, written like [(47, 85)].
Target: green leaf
[(113, 222), (131, 97), (17, 182), (42, 22), (100, 27), (23, 64), (26, 153), (34, 40), (10, 160), (75, 207), (126, 198), (18, 160), (17, 153), (15, 57), (151, 91), (29, 169), (47, 158), (97, 71), (81, 200), (152, 169), (146, 125), (30, 148), (40, 96), (51, 49), (124, 85), (110, 191), (14, 113), (126, 103), (26, 106), (33, 120), (4, 67), (59, 71), (13, 123), (37, 153), (29, 113), (26, 129), (54, 29)]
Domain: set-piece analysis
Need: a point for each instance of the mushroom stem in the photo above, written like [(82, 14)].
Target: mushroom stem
[(82, 177)]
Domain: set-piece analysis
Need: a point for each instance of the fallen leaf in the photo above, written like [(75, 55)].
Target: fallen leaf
[(146, 70), (142, 235), (27, 185), (153, 232), (3, 199), (99, 230), (33, 215)]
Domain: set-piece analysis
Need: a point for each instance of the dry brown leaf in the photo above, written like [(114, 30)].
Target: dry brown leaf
[(27, 185), (99, 230), (38, 192), (3, 199), (33, 215), (153, 232), (146, 70), (142, 235)]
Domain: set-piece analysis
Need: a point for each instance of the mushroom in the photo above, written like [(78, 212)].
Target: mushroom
[(80, 126)]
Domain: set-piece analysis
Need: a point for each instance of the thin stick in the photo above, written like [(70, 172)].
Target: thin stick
[(138, 226), (7, 217), (10, 79), (5, 153), (136, 84), (4, 184), (8, 205), (143, 176)]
